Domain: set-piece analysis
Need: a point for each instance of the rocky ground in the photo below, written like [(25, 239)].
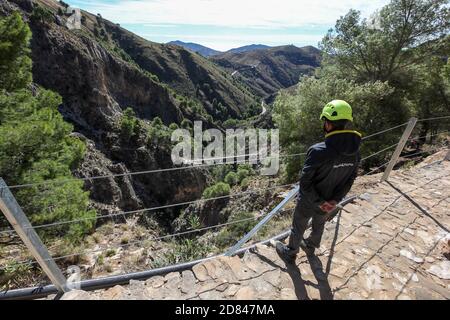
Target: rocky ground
[(391, 243)]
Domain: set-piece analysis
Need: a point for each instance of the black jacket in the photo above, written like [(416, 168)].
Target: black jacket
[(330, 168)]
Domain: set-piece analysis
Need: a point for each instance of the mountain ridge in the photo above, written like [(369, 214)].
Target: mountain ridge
[(209, 52), (269, 70)]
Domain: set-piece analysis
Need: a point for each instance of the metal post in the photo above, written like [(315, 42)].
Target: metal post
[(17, 218), (266, 219), (400, 147)]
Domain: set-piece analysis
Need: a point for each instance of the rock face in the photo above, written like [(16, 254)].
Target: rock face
[(380, 247), (97, 84)]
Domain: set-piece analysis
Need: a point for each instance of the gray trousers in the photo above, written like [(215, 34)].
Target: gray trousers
[(303, 213)]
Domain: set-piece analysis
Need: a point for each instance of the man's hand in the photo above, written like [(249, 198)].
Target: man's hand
[(328, 206)]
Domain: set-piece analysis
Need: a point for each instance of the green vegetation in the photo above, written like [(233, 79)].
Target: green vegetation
[(220, 189), (231, 178), (129, 124), (228, 235), (159, 134), (15, 62), (388, 68), (182, 251), (36, 143), (242, 174), (245, 183), (41, 15)]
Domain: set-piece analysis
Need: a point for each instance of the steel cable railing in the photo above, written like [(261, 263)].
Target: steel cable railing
[(197, 166), (119, 214), (124, 213), (187, 203), (135, 173)]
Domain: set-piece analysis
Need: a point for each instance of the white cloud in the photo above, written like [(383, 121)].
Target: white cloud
[(231, 13)]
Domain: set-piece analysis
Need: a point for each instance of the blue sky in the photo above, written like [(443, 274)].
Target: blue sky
[(226, 24)]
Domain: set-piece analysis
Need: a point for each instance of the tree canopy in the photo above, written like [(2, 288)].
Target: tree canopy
[(35, 142), (388, 67)]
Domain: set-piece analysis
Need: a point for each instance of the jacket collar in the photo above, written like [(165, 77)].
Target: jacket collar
[(343, 131)]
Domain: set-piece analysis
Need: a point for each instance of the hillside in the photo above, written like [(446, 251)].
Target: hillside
[(202, 50), (266, 71), (391, 243), (250, 47), (97, 82)]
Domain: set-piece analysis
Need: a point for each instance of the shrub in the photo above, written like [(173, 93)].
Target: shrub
[(218, 190), (242, 174), (230, 123), (245, 183), (41, 15), (232, 233), (184, 251), (129, 124), (232, 178), (186, 124), (247, 167), (158, 133), (219, 172)]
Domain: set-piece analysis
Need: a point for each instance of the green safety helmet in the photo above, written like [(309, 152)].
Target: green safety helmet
[(337, 110)]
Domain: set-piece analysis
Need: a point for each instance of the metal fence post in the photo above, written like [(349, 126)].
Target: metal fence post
[(17, 218), (266, 219), (401, 145)]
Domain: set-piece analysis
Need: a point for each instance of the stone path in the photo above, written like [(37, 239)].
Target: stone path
[(392, 243)]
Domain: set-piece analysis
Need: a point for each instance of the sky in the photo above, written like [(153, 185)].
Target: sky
[(226, 24)]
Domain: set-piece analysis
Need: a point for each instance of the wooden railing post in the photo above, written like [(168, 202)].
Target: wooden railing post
[(401, 145)]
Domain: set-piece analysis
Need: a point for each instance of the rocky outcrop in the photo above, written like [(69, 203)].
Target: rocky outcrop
[(96, 84), (391, 243)]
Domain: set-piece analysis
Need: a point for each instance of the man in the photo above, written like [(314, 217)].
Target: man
[(328, 174)]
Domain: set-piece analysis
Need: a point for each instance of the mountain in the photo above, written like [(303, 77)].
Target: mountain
[(204, 51), (266, 71), (208, 52), (251, 47), (103, 69)]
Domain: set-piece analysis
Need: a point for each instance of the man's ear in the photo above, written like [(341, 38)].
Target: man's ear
[(328, 126)]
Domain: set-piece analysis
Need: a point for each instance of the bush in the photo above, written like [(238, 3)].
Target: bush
[(245, 183), (242, 174), (184, 251), (129, 124), (247, 167), (41, 15), (232, 178), (230, 123), (218, 190), (159, 134), (232, 233), (220, 172), (186, 124)]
